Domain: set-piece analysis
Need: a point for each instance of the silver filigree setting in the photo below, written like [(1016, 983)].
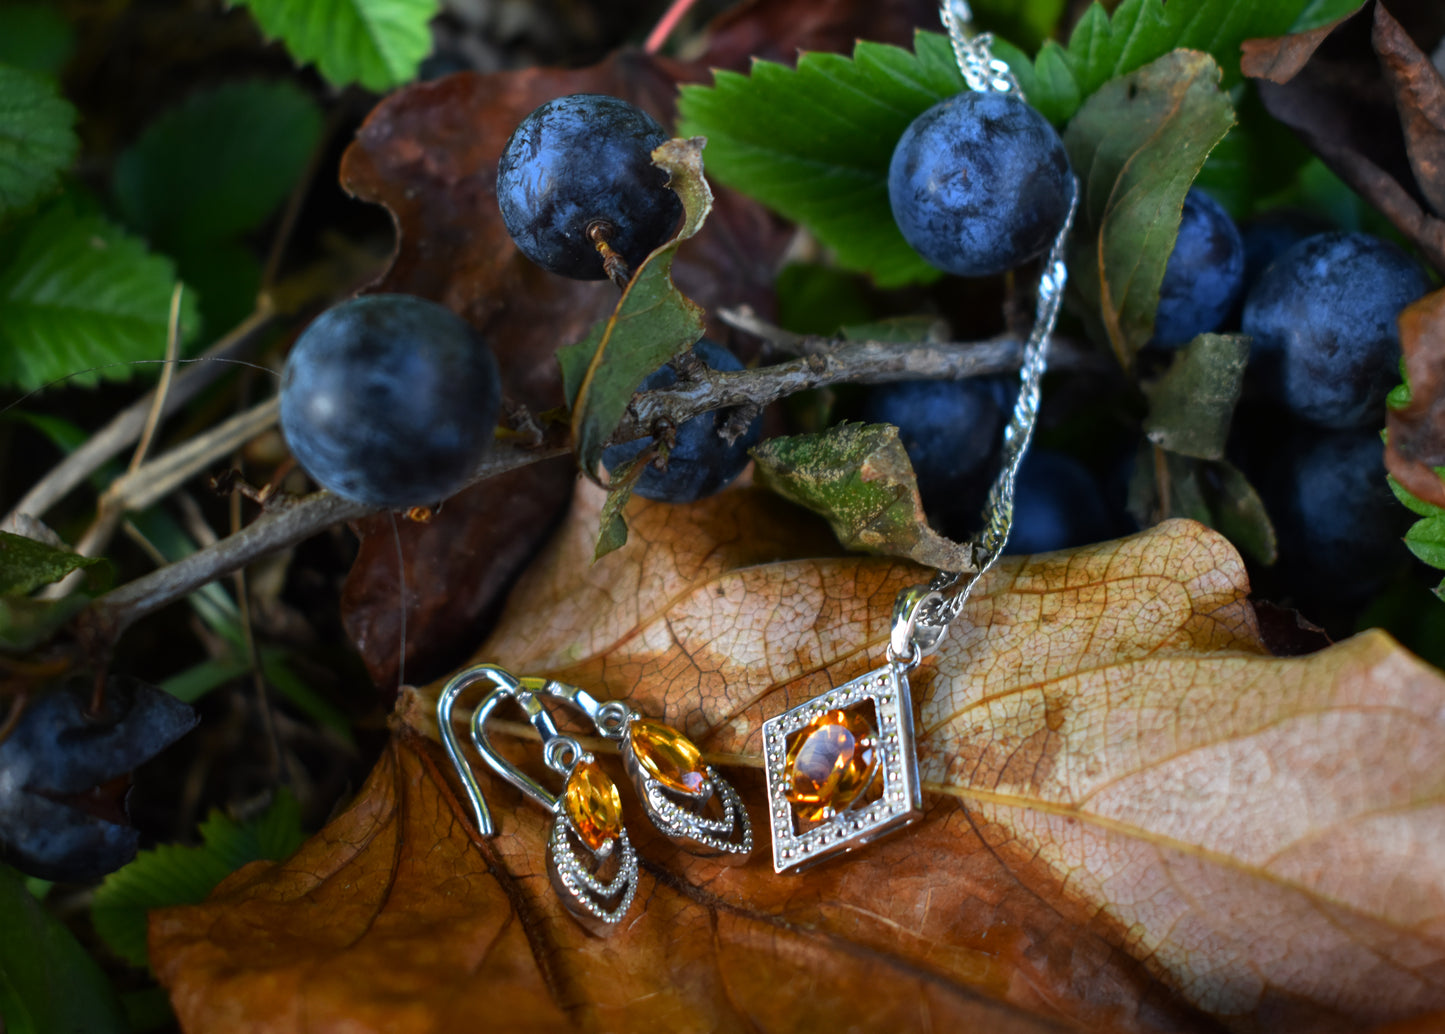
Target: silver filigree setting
[(680, 816), (900, 801), (572, 866)]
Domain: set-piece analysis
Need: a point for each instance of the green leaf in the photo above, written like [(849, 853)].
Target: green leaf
[(1411, 501), (378, 43), (858, 477), (180, 875), (1136, 146), (612, 533), (37, 137), (653, 321), (217, 165), (1322, 12), (814, 143), (816, 299), (26, 565), (1426, 540), (48, 983), (79, 296), (1102, 48), (35, 37), (1213, 492), (1192, 405)]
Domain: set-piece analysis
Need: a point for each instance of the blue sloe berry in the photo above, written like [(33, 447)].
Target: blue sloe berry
[(582, 160), (58, 755), (1269, 235), (950, 430), (1323, 319), (1058, 504), (980, 183), (702, 462), (1337, 523), (1204, 274), (390, 400)]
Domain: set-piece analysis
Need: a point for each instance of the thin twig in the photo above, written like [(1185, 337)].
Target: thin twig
[(854, 361), (106, 443), (168, 373)]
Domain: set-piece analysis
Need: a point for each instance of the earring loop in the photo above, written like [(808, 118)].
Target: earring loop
[(590, 861)]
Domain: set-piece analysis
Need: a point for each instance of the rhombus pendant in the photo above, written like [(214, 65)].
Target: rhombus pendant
[(841, 769)]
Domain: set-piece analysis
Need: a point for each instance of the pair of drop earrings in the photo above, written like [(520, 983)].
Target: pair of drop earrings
[(840, 771)]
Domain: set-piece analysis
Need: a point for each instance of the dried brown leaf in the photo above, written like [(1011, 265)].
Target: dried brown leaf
[(1416, 440), (1326, 86), (1129, 806)]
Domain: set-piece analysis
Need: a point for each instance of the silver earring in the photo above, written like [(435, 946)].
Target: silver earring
[(592, 864), (681, 793)]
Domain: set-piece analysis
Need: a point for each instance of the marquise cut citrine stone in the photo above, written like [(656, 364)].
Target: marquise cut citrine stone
[(593, 804), (667, 756), (831, 761)]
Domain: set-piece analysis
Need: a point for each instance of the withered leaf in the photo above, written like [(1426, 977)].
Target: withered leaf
[(1326, 86), (429, 154), (1416, 441), (1133, 814)]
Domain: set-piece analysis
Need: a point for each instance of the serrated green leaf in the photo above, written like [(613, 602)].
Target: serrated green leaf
[(37, 137), (1426, 540), (814, 143), (653, 321), (1102, 48), (48, 983), (858, 477), (218, 164), (79, 296), (173, 874), (1136, 146), (1412, 502), (1192, 405), (26, 565), (377, 43), (35, 37)]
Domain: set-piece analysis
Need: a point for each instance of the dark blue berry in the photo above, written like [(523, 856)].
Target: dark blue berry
[(980, 183), (1337, 523), (1268, 236), (579, 162), (950, 430), (390, 400), (1058, 504), (1326, 345), (1204, 275), (702, 462), (52, 821)]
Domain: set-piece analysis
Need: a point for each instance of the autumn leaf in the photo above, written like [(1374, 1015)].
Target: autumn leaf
[(1415, 445), (1385, 137), (1136, 819)]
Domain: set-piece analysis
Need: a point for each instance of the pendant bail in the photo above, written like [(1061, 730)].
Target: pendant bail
[(914, 637)]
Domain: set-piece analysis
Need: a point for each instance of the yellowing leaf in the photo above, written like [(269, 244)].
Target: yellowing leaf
[(1134, 816)]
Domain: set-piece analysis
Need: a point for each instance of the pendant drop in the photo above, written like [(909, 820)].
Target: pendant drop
[(841, 769)]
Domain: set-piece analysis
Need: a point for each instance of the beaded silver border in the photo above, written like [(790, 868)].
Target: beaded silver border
[(901, 801), (731, 834), (584, 895)]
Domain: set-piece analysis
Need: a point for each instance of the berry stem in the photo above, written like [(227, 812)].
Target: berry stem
[(600, 232)]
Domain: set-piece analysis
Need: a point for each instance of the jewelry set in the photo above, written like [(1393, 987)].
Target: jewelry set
[(841, 769)]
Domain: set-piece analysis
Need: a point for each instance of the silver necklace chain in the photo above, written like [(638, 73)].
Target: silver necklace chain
[(923, 613)]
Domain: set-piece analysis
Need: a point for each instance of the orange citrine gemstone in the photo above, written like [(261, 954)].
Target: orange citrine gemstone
[(667, 756), (593, 805), (831, 761)]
